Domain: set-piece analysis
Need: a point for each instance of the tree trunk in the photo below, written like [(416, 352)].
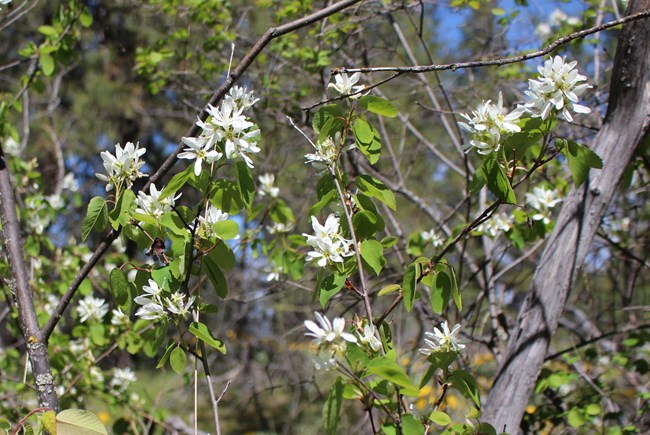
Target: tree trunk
[(626, 125)]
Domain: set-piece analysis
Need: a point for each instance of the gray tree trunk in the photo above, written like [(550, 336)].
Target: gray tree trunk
[(626, 125)]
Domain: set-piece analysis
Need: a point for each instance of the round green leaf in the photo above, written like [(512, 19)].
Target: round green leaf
[(440, 418), (78, 422), (177, 360)]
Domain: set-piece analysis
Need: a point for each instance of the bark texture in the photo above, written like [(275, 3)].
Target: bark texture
[(626, 125), (36, 343)]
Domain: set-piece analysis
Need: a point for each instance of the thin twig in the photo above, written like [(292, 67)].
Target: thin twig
[(500, 61)]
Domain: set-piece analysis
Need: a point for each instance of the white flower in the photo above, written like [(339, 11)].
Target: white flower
[(123, 167), (241, 97), (199, 150), (324, 364), (442, 340), (70, 183), (239, 136), (279, 228), (176, 304), (119, 318), (152, 204), (433, 237), (96, 374), (151, 293), (556, 88), (121, 380), (212, 216), (329, 246), (542, 200), (369, 337), (326, 152), (267, 187), (345, 84), (496, 224), (151, 311), (328, 332), (91, 308), (151, 302), (489, 124), (10, 146)]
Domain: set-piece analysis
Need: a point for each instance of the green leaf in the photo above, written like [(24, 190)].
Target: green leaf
[(332, 407), (216, 277), (226, 230), (119, 287), (378, 105), (409, 284), (372, 253), (200, 331), (330, 286), (478, 181), (440, 292), (580, 160), (368, 140), (245, 183), (366, 224), (170, 346), (392, 372), (177, 360), (363, 131), (498, 182), (47, 30), (226, 196), (177, 182), (223, 256), (464, 382), (438, 360), (440, 418), (374, 188), (96, 217), (390, 288), (121, 213), (576, 418), (325, 113), (47, 64), (78, 422), (86, 18), (411, 425)]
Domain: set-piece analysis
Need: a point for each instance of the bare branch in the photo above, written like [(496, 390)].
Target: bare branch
[(501, 61)]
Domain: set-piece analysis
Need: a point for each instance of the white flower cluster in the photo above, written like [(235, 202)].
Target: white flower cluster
[(152, 205), (490, 124), (345, 85), (497, 223), (153, 304), (432, 237), (267, 186), (121, 379), (326, 153), (558, 87), (92, 308), (556, 19), (329, 245), (211, 217), (227, 131), (442, 340), (543, 200), (123, 167), (329, 334)]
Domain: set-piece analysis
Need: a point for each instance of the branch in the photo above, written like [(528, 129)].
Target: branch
[(35, 341), (269, 35), (501, 61)]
